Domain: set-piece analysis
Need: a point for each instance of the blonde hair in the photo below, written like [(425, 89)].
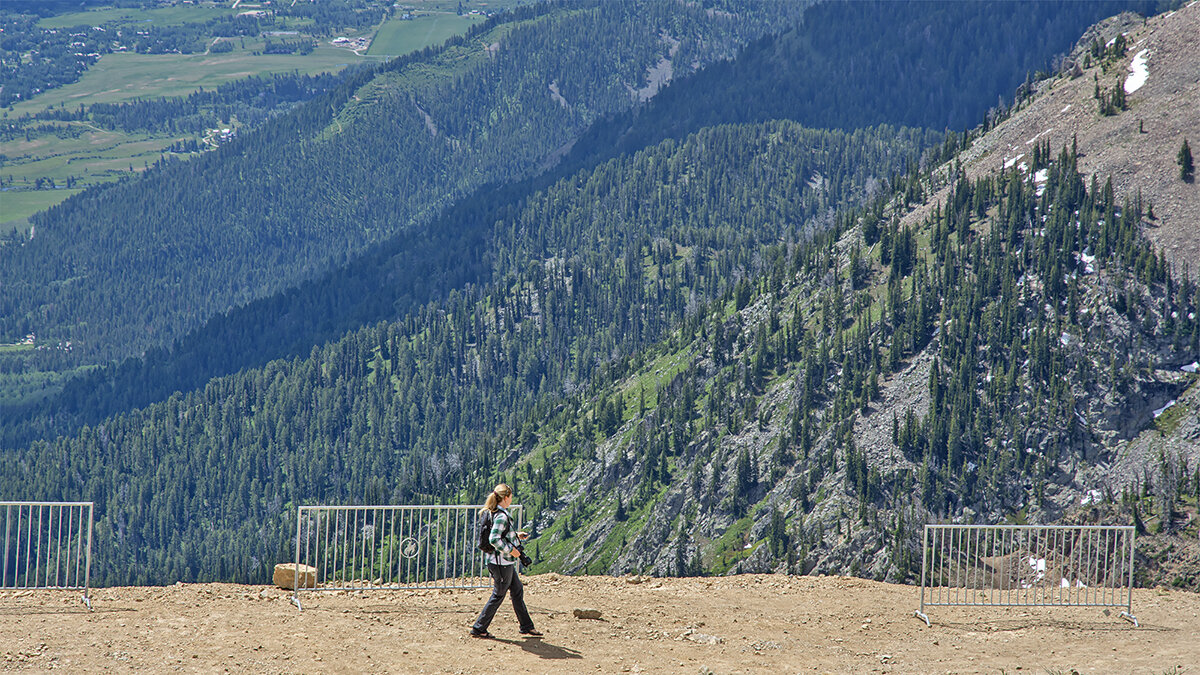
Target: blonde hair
[(499, 494)]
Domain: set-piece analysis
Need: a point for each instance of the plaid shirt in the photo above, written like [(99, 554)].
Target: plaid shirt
[(504, 545)]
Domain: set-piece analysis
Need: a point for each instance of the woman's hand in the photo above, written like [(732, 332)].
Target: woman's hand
[(522, 535)]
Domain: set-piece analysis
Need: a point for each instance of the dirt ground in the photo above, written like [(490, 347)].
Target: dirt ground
[(744, 624)]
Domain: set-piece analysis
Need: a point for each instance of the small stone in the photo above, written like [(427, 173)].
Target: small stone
[(586, 613), (285, 576)]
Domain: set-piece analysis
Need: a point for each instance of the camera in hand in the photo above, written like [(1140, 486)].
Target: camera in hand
[(525, 559)]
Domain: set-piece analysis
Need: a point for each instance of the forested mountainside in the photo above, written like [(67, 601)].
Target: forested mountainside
[(858, 64), (131, 265), (587, 272), (417, 266), (696, 358)]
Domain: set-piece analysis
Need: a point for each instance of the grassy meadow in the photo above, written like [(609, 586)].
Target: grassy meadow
[(163, 16), (17, 205), (397, 36), (125, 76), (94, 155), (88, 154)]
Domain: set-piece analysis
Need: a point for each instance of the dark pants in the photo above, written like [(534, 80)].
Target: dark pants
[(505, 580)]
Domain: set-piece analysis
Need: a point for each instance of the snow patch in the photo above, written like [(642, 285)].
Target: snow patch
[(1065, 340), (1040, 134), (1088, 260), (1163, 409), (1093, 496), (1008, 163), (1039, 179), (1038, 565), (1139, 72), (1192, 367), (1065, 108)]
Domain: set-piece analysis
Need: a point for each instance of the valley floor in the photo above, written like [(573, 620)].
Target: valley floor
[(744, 624)]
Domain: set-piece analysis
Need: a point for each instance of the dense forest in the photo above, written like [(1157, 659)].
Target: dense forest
[(453, 375), (849, 65), (328, 305), (127, 266)]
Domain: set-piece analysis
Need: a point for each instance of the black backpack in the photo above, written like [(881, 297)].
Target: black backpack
[(483, 532)]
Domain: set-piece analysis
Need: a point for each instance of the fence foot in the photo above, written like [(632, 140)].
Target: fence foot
[(1130, 618), (87, 601), (921, 615), (296, 602)]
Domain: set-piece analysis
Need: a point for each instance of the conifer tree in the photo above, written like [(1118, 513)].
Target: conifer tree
[(1184, 160)]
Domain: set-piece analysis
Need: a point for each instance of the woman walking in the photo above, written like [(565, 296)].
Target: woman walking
[(501, 564)]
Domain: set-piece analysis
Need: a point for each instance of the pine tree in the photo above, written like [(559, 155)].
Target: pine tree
[(1184, 160)]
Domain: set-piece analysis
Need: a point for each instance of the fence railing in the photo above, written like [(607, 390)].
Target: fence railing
[(1026, 566), (47, 545), (359, 548)]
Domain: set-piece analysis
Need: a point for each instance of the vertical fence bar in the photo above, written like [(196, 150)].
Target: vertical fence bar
[(392, 546), (1130, 534), (58, 555), (87, 575), (37, 555), (1116, 567), (927, 568), (296, 567), (7, 522), (28, 546)]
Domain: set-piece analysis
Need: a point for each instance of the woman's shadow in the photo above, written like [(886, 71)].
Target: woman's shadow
[(543, 649)]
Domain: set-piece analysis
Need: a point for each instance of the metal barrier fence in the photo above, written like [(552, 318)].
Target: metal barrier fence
[(1027, 566), (47, 545), (358, 548)]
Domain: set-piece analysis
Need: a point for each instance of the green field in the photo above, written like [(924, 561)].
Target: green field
[(126, 76), (94, 156), (17, 205), (163, 16), (399, 36)]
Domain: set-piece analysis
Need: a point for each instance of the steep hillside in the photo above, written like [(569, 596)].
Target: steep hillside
[(857, 64), (425, 263), (1105, 430), (588, 272), (124, 267), (1137, 146)]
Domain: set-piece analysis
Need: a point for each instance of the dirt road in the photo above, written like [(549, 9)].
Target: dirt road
[(746, 624)]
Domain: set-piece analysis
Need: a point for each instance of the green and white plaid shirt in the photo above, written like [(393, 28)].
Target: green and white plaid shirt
[(503, 544)]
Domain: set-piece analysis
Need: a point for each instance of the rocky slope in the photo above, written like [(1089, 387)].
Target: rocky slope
[(747, 500)]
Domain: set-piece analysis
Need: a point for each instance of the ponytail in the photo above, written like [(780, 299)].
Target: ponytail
[(498, 494)]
